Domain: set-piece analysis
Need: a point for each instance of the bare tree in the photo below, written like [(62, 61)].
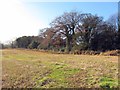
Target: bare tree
[(113, 20), (47, 34), (88, 28), (66, 24)]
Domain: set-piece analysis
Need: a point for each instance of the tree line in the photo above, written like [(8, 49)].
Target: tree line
[(73, 31)]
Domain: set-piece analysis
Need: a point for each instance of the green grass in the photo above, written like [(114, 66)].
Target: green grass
[(35, 69), (58, 74), (107, 82)]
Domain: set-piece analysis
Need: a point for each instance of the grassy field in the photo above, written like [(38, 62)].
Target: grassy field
[(35, 69)]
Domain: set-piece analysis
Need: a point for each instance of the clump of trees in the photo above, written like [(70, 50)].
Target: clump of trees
[(30, 42), (75, 31), (78, 31)]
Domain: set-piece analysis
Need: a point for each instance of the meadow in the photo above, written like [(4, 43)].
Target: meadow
[(35, 69)]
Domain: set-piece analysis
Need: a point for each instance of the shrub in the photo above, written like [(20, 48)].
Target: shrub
[(111, 53), (33, 45)]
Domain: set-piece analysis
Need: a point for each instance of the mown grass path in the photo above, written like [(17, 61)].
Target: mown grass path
[(35, 69)]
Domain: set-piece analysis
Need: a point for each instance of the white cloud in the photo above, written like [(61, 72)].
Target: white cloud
[(15, 21)]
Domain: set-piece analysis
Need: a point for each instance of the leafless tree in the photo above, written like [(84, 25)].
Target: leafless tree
[(66, 24)]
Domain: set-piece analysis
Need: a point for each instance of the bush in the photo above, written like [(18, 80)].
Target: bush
[(33, 45), (111, 53), (86, 52)]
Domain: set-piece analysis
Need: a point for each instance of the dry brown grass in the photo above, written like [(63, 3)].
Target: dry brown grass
[(29, 68)]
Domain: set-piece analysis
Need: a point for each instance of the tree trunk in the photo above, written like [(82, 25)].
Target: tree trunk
[(67, 44), (73, 38)]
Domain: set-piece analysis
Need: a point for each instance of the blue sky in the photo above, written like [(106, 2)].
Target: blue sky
[(47, 11), (27, 18)]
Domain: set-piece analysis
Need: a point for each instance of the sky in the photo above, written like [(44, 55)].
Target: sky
[(25, 18)]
